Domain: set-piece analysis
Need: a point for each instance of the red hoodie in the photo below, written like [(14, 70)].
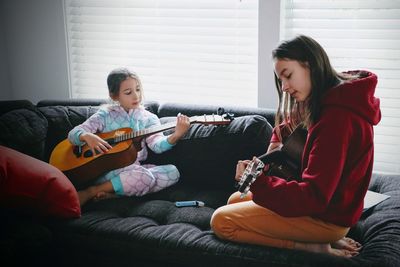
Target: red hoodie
[(337, 159)]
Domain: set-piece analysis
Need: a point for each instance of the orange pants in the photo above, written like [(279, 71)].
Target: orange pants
[(244, 221)]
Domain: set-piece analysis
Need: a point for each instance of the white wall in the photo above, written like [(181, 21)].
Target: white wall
[(36, 52), (268, 34), (5, 87)]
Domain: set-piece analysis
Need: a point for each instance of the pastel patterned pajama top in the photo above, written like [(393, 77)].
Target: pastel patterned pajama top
[(134, 179)]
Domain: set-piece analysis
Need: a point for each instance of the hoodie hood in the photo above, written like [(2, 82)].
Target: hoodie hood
[(357, 95)]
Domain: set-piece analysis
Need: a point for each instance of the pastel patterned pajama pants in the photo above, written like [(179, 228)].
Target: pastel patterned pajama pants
[(138, 180)]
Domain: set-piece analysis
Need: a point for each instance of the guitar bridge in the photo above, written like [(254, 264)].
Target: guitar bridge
[(77, 150)]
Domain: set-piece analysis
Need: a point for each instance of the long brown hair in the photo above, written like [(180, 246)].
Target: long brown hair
[(310, 54)]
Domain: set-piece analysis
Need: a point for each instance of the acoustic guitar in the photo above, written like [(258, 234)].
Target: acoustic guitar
[(284, 161), (80, 165)]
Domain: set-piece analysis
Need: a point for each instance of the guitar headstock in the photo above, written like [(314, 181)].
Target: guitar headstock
[(249, 176), (212, 119)]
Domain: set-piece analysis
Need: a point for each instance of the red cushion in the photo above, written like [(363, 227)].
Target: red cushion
[(34, 186)]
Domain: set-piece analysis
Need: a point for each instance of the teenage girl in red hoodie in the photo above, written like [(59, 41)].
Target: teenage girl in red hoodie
[(339, 111)]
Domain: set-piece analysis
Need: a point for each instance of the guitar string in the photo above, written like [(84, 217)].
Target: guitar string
[(166, 126)]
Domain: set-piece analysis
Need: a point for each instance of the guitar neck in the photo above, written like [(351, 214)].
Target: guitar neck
[(144, 132), (149, 131)]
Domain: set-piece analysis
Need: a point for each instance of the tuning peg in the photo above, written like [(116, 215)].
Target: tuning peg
[(220, 111), (228, 116)]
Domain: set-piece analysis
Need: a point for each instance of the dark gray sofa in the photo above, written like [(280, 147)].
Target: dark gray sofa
[(150, 230)]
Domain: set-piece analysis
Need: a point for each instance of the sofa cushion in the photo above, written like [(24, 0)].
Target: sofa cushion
[(378, 228), (8, 105), (23, 128), (35, 187), (207, 155), (151, 227)]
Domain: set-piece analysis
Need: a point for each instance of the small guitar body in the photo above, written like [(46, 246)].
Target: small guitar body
[(80, 165), (284, 162)]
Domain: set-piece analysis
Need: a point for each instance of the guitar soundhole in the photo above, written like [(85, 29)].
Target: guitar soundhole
[(77, 150)]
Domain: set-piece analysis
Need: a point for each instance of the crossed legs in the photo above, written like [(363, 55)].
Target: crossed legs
[(244, 221)]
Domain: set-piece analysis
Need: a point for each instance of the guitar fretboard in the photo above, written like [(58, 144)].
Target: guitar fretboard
[(160, 128), (144, 132)]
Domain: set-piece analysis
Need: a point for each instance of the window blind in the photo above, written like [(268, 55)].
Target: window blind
[(183, 51), (359, 35)]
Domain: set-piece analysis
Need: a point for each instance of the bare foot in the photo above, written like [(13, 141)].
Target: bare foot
[(347, 243), (104, 195), (325, 248), (86, 195)]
